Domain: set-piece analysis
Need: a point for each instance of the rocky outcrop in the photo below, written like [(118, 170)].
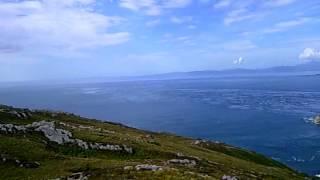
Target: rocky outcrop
[(147, 167), (21, 114), (61, 136), (10, 128)]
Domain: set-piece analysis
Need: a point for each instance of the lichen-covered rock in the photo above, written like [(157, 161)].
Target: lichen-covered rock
[(59, 136)]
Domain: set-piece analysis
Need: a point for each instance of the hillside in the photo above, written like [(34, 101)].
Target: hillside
[(56, 145)]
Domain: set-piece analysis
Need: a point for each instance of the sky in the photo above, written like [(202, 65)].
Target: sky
[(63, 39)]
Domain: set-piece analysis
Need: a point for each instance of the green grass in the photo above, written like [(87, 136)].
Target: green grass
[(56, 160)]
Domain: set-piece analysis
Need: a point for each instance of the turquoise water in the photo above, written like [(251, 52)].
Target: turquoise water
[(264, 114)]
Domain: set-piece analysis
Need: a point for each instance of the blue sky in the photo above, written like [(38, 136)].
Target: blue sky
[(54, 39)]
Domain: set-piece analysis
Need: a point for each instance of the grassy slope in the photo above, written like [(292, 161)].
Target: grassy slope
[(150, 148)]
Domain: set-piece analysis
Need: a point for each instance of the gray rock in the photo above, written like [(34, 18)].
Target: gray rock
[(77, 176), (59, 136), (198, 142), (128, 168), (226, 177), (10, 128), (147, 167), (183, 162), (128, 149), (82, 143)]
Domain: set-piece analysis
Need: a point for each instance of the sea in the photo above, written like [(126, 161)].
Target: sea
[(266, 114)]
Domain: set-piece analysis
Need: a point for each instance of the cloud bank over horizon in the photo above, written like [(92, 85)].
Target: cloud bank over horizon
[(310, 54)]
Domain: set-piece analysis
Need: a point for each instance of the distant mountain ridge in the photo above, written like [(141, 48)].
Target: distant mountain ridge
[(310, 68)]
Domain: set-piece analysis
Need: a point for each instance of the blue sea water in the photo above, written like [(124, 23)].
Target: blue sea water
[(263, 114)]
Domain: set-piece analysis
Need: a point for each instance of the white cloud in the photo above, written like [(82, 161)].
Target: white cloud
[(238, 61), (192, 27), (55, 24), (150, 7), (222, 4), (310, 54), (181, 20), (176, 3), (153, 23), (239, 15), (285, 25), (153, 7), (240, 45), (278, 3), (204, 1)]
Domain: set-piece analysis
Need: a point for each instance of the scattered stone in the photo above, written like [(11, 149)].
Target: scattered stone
[(128, 168), (78, 176), (197, 142), (149, 136), (86, 128), (183, 162), (31, 164), (19, 163), (21, 115), (180, 154), (226, 177), (147, 167), (128, 149)]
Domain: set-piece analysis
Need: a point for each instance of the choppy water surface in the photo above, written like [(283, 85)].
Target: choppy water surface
[(263, 114)]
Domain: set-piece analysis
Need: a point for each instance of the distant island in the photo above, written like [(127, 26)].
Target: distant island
[(40, 144), (308, 68)]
